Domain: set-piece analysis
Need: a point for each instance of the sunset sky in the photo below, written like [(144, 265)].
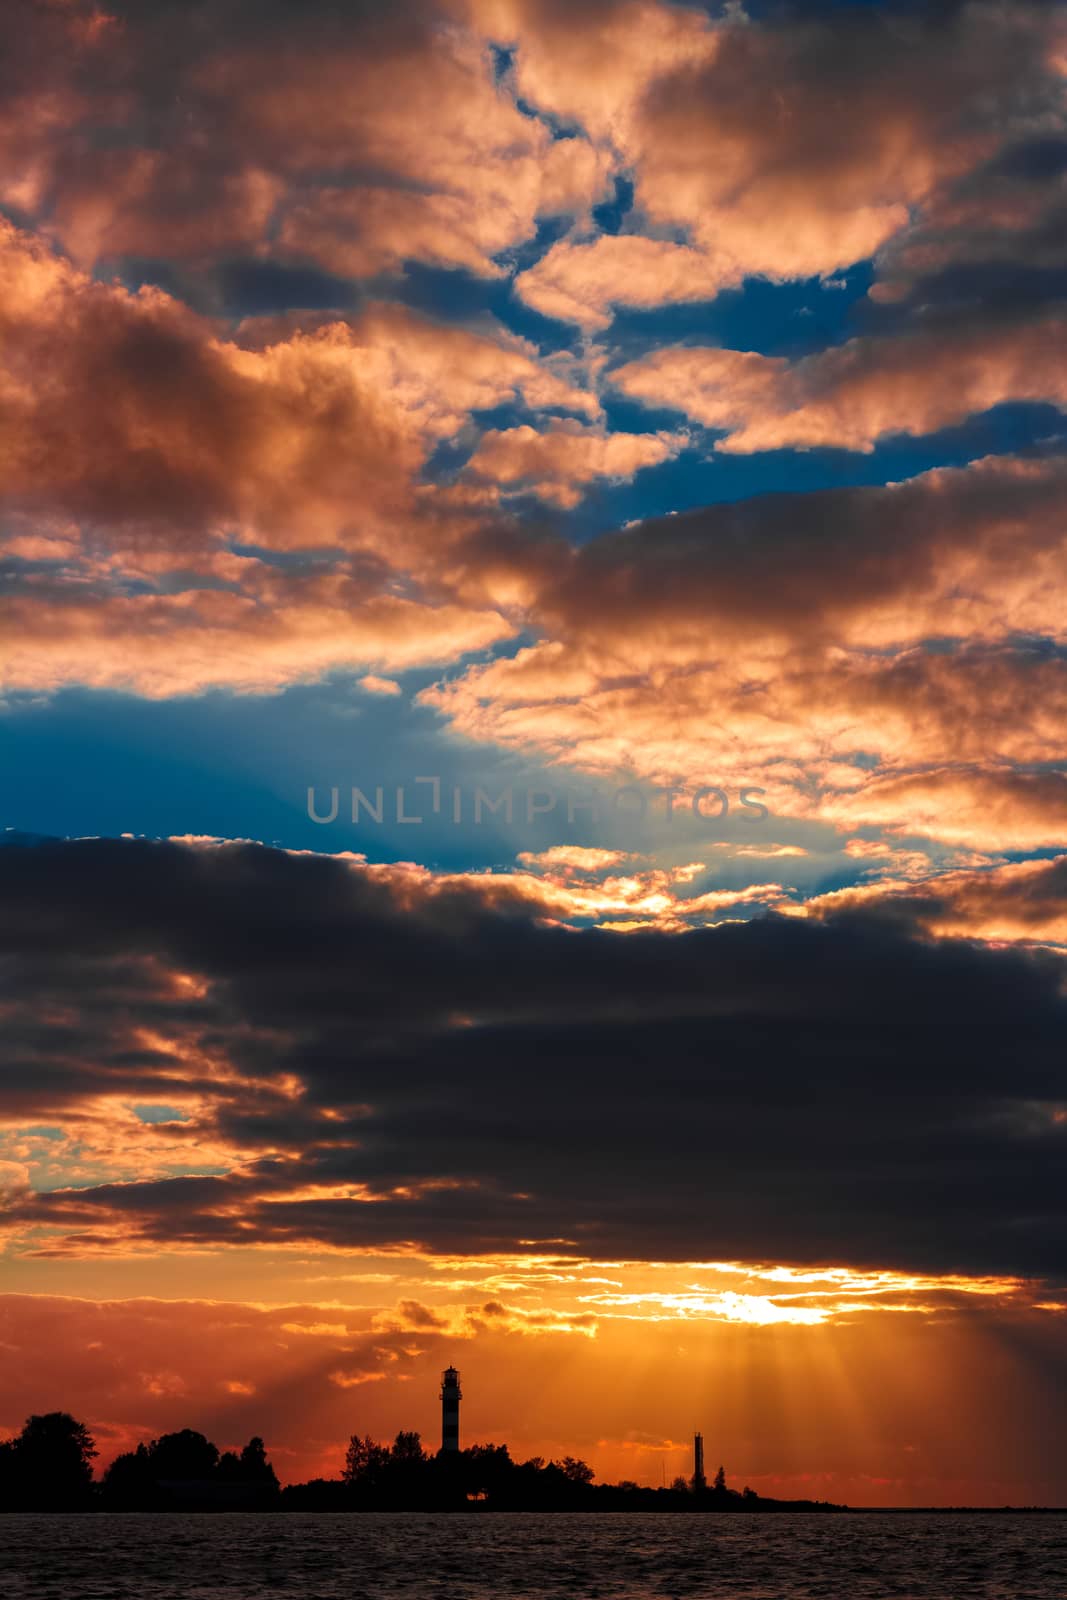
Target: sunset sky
[(533, 684)]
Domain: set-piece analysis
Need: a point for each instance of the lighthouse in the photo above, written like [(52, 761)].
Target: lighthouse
[(700, 1483), (450, 1398)]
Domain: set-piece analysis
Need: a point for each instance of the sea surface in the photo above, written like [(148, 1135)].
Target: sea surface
[(609, 1556)]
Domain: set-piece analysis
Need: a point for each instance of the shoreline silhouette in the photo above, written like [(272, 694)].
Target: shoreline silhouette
[(48, 1466)]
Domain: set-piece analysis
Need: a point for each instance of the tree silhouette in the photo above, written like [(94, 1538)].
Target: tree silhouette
[(128, 1481), (487, 1468), (229, 1467), (255, 1467), (719, 1485), (365, 1462), (8, 1473), (183, 1455), (576, 1471), (139, 1479), (49, 1466), (407, 1450)]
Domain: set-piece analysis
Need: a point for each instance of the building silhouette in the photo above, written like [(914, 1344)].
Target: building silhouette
[(451, 1394)]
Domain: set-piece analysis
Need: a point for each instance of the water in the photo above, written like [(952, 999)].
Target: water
[(609, 1556)]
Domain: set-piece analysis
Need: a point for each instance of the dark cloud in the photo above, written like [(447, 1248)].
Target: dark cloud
[(992, 242), (472, 1080), (806, 563)]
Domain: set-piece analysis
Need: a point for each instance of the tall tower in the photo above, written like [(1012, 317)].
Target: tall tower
[(699, 1480), (451, 1394)]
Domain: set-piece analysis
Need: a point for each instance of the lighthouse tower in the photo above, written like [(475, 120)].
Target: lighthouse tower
[(451, 1395), (700, 1483)]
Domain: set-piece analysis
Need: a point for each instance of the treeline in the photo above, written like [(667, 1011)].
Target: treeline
[(186, 1468), (49, 1467), (404, 1476)]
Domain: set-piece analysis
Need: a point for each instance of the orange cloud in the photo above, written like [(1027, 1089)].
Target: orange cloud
[(989, 807), (317, 137), (852, 395), (669, 656), (580, 282), (568, 884), (785, 149), (484, 202), (558, 462), (593, 64), (1010, 902), (935, 758), (467, 1322), (155, 444), (150, 420), (204, 638)]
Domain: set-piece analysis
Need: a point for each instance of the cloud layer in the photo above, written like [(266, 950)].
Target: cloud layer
[(802, 1091), (210, 487)]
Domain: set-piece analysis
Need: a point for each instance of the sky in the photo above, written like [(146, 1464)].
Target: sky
[(532, 768)]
